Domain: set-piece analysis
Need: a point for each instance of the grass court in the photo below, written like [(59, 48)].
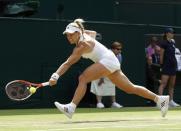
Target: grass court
[(91, 119)]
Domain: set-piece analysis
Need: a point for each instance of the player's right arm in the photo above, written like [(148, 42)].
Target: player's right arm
[(73, 58)]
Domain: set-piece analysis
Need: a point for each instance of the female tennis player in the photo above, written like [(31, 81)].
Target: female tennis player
[(105, 65)]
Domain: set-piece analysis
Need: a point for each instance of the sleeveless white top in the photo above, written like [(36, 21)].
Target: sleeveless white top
[(101, 54), (99, 51)]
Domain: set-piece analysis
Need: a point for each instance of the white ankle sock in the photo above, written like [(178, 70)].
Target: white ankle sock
[(156, 99), (73, 105)]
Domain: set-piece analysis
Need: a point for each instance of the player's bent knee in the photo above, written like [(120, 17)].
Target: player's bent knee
[(82, 79)]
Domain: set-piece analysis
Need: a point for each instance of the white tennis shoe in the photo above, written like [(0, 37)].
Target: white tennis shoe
[(116, 105), (173, 104), (100, 105), (66, 109), (163, 103)]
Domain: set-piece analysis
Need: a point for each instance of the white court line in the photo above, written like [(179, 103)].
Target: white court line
[(102, 127)]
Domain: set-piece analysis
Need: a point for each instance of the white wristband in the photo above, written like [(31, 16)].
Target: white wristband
[(55, 76)]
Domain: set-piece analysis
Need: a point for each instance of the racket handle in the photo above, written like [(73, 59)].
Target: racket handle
[(45, 84)]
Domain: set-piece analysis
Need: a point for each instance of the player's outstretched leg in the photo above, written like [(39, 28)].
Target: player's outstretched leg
[(67, 109), (122, 82)]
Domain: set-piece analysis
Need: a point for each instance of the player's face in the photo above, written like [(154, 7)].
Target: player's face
[(73, 37)]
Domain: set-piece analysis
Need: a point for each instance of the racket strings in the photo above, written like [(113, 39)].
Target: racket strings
[(18, 90)]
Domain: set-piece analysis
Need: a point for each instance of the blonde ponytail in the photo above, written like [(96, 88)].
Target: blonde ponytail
[(80, 22)]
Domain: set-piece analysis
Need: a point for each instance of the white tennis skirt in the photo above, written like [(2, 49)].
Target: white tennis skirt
[(111, 62), (105, 89)]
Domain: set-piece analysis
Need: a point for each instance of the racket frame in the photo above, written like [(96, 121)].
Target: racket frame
[(25, 82)]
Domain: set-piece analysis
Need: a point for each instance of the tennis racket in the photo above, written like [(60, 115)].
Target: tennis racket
[(18, 90)]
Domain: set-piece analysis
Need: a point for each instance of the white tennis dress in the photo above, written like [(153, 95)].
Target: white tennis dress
[(101, 54), (106, 57)]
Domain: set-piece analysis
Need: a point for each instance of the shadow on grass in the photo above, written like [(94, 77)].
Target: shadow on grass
[(79, 110), (107, 121)]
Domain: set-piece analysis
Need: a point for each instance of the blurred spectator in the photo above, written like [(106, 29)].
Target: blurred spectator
[(150, 50), (152, 65), (152, 45), (156, 56), (169, 65), (104, 87)]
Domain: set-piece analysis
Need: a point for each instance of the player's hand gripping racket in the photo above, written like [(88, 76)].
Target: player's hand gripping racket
[(19, 90)]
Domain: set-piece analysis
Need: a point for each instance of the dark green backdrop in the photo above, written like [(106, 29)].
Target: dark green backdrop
[(165, 12), (33, 49)]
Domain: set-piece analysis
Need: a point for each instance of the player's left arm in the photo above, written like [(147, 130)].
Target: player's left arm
[(91, 33)]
